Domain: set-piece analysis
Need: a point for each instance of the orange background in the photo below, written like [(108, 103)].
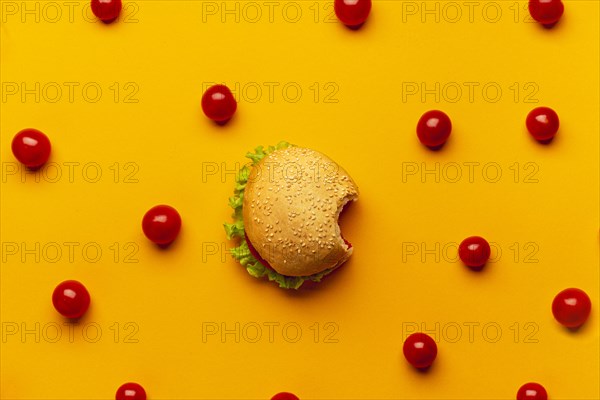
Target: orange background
[(403, 275)]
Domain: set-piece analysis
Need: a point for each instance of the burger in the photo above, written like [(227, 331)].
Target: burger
[(286, 204)]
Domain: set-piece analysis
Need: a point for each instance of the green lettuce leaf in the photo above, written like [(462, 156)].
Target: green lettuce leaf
[(235, 230)]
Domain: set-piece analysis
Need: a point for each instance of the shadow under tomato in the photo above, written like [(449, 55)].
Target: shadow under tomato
[(426, 370), (579, 329), (550, 26), (355, 27), (477, 270), (545, 142), (84, 319), (218, 125), (419, 371), (36, 170), (223, 123), (166, 246), (436, 148)]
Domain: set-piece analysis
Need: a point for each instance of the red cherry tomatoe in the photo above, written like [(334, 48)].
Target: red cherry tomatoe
[(285, 396), (571, 307), (433, 128), (161, 224), (71, 299), (130, 391), (546, 12), (542, 123), (474, 251), (532, 391), (31, 147), (107, 10), (419, 350), (218, 103), (352, 13)]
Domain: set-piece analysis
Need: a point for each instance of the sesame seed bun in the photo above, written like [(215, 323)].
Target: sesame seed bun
[(291, 206)]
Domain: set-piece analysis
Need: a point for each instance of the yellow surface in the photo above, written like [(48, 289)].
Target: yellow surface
[(163, 54)]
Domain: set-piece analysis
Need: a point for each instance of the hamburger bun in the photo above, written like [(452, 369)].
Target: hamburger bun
[(292, 202)]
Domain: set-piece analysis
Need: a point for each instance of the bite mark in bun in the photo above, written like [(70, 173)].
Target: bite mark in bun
[(286, 209)]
